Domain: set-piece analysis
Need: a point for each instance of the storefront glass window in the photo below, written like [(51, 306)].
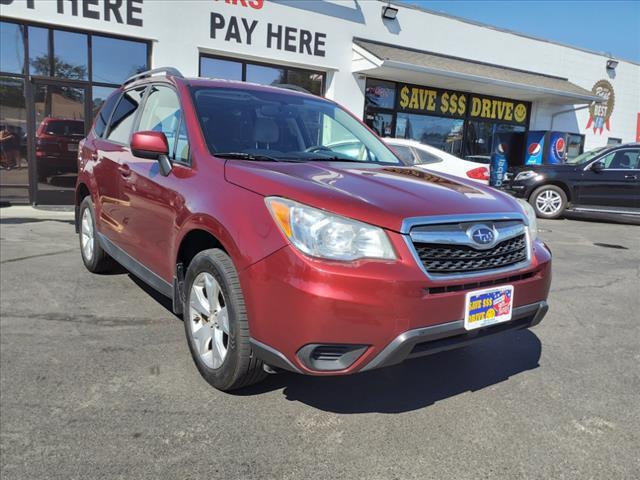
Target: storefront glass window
[(439, 132), (59, 115), (100, 94), (265, 75), (11, 48), (380, 94), (70, 55), (479, 138), (115, 60), (39, 61), (575, 145), (13, 140), (310, 81), (381, 123), (218, 68)]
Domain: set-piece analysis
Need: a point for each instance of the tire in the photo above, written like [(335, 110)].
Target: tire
[(549, 201), (218, 331), (93, 256)]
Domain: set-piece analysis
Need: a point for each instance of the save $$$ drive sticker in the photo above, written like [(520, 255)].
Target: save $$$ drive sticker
[(487, 307)]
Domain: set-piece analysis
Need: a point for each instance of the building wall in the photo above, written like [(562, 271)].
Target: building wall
[(180, 30)]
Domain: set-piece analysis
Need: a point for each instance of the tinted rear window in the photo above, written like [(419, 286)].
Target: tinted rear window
[(105, 113), (65, 128)]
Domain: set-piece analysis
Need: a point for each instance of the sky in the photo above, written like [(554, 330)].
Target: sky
[(603, 26)]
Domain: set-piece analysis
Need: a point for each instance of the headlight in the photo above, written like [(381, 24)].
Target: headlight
[(526, 175), (531, 217), (322, 234)]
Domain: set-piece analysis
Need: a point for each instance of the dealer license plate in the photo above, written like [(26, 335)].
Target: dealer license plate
[(488, 307), (72, 147)]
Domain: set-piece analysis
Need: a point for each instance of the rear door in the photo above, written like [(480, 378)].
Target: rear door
[(112, 152), (616, 186)]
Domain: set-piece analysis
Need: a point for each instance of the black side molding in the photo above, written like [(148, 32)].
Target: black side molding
[(135, 267)]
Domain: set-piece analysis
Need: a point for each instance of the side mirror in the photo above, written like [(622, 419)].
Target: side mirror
[(598, 166), (154, 146)]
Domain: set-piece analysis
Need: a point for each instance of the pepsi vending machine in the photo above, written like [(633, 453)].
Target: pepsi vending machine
[(544, 148), (507, 150)]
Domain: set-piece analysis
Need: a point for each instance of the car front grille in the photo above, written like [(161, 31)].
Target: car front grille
[(449, 259), (447, 250)]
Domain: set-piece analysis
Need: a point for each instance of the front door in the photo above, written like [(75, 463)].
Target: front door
[(617, 185), (61, 113), (152, 200)]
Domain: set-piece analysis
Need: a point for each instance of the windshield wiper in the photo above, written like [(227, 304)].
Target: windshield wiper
[(247, 156)]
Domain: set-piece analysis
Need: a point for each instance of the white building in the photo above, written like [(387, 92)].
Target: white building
[(442, 80)]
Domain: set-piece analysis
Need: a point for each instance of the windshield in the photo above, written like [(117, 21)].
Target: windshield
[(272, 125), (585, 157)]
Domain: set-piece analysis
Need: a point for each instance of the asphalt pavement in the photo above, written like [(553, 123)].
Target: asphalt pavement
[(96, 381)]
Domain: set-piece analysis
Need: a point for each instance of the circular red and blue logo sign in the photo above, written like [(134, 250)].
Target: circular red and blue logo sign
[(534, 148)]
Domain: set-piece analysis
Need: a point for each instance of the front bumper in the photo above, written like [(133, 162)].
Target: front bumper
[(447, 336), (376, 313)]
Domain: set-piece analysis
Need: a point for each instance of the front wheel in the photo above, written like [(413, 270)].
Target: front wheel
[(216, 324), (549, 201)]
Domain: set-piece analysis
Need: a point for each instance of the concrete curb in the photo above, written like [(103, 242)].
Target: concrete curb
[(28, 212)]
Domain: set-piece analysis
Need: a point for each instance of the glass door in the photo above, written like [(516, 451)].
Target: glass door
[(60, 121)]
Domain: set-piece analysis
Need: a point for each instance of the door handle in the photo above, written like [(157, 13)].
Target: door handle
[(124, 170), (631, 177)]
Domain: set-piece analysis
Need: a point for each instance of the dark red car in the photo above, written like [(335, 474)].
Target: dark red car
[(284, 251), (57, 146)]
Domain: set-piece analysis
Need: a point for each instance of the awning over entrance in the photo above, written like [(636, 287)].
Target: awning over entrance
[(423, 68)]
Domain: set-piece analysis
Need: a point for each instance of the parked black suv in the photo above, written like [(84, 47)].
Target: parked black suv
[(601, 181)]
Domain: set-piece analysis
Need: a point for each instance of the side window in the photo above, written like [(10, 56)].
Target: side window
[(426, 157), (404, 153), (105, 112), (124, 115), (634, 159), (621, 160), (162, 113)]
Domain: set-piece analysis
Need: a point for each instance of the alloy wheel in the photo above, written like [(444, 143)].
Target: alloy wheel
[(209, 318), (549, 202)]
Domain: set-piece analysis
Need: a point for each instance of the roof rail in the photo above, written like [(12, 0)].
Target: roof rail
[(174, 72)]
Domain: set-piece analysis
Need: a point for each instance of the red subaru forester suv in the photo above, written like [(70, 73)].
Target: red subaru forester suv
[(290, 237)]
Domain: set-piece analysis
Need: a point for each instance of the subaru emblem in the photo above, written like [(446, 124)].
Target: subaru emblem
[(482, 235)]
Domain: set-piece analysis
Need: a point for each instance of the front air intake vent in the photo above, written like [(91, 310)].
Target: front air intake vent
[(329, 352)]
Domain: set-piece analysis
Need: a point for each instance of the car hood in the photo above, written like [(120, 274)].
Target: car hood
[(379, 195)]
